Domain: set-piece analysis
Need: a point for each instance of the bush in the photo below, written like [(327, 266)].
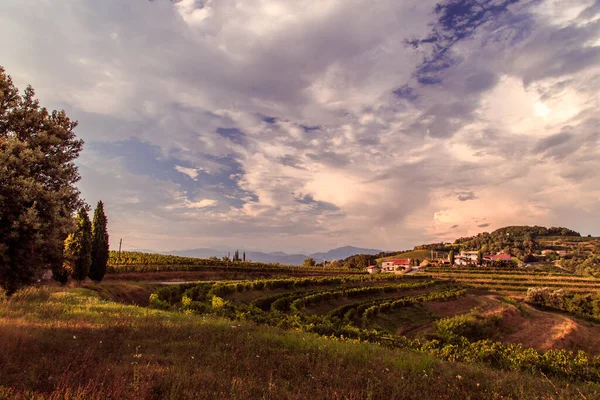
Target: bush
[(473, 326)]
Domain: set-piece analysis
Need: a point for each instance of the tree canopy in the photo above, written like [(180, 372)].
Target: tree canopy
[(38, 196), (78, 247), (100, 245), (516, 240)]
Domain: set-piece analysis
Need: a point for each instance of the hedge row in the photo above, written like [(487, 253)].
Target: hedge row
[(312, 299)]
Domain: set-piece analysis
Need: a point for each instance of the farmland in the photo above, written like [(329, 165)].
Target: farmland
[(517, 280), (434, 314), (131, 352), (247, 331), (459, 326), (414, 254)]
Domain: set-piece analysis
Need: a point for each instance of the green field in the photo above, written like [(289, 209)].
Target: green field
[(69, 344), (132, 261), (414, 254), (515, 280), (441, 317)]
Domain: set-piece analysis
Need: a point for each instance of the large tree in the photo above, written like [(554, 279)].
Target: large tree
[(100, 246), (37, 193), (78, 247)]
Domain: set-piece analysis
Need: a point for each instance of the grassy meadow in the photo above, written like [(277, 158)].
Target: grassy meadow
[(59, 343)]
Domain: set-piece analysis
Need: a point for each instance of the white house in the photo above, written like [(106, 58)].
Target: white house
[(395, 264)]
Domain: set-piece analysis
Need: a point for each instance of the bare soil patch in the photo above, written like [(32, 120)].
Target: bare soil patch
[(545, 330)]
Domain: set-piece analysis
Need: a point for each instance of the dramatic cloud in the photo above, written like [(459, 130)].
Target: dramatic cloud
[(306, 125)]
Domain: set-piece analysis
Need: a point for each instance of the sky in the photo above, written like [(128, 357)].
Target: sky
[(311, 124)]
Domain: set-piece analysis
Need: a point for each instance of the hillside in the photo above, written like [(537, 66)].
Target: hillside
[(517, 239), (414, 254), (79, 346), (555, 248)]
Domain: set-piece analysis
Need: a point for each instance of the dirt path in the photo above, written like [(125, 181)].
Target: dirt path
[(541, 330), (545, 330)]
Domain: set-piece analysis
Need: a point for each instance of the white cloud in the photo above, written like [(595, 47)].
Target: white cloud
[(324, 153), (191, 172), (201, 204)]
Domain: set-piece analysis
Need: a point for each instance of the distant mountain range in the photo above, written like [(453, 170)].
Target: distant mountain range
[(276, 257)]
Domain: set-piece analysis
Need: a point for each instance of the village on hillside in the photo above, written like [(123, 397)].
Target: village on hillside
[(463, 259)]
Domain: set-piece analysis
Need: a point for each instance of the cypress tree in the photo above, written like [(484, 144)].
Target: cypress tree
[(451, 257), (78, 247), (99, 244), (244, 256)]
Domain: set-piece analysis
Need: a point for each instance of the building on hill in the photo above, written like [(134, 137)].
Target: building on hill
[(395, 264), (466, 258), (373, 269), (497, 257), (470, 255)]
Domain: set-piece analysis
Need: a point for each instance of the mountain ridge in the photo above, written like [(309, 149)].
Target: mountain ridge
[(280, 257)]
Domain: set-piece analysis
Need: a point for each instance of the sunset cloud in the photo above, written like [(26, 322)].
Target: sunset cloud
[(307, 125)]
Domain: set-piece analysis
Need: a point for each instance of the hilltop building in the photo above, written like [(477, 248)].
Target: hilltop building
[(395, 264)]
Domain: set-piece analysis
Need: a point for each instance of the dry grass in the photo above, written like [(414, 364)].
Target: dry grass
[(70, 344)]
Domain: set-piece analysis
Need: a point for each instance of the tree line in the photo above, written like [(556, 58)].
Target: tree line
[(38, 196)]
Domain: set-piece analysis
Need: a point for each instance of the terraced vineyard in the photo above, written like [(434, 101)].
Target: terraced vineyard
[(515, 280), (138, 262), (438, 314)]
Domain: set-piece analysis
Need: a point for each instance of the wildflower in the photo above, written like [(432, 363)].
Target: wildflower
[(74, 337), (458, 377)]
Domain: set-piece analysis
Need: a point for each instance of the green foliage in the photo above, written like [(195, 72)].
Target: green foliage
[(62, 272), (463, 338), (415, 254), (451, 257), (309, 262), (78, 247), (516, 240), (132, 261), (216, 358), (100, 245), (358, 261), (37, 192), (298, 304), (590, 266), (218, 302), (473, 326), (369, 310), (584, 305)]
